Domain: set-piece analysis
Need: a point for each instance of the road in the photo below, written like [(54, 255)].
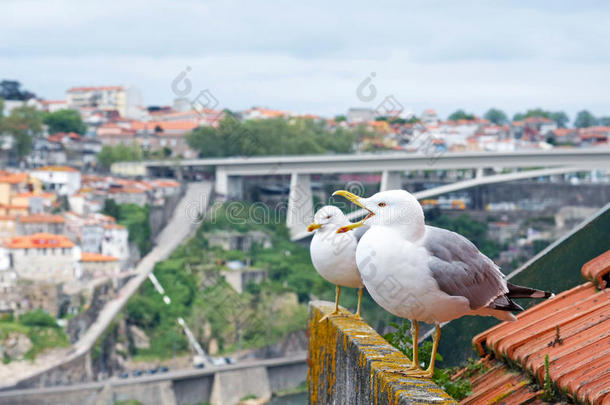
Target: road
[(181, 226)]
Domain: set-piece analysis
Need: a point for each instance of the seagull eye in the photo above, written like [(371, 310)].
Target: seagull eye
[(328, 217), (381, 204)]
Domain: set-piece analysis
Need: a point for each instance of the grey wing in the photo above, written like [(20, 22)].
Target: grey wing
[(360, 231), (461, 270)]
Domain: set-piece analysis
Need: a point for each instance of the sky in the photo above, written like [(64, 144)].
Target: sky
[(316, 56)]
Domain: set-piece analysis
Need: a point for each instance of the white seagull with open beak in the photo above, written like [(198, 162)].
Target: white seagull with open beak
[(333, 254), (424, 273)]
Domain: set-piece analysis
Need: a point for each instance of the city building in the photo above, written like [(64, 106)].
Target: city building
[(124, 100), (40, 223), (233, 240), (43, 257), (116, 243), (239, 275), (360, 115), (63, 180), (96, 265)]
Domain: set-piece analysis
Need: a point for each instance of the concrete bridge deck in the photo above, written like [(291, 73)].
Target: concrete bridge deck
[(222, 385)]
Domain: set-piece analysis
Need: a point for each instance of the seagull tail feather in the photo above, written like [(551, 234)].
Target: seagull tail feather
[(517, 291)]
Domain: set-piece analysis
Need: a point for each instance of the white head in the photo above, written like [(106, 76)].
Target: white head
[(398, 209), (328, 215)]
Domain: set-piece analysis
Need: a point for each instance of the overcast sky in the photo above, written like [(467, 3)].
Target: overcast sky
[(311, 56)]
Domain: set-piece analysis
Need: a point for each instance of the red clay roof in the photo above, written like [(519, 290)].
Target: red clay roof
[(13, 178), (39, 241), (573, 329), (42, 218), (96, 257)]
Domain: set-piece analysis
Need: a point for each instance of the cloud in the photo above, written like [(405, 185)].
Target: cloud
[(311, 56)]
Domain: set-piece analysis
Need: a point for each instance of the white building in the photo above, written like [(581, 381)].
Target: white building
[(115, 243), (43, 257), (63, 180), (124, 100)]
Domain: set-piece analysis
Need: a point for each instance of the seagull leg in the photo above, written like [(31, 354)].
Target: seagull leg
[(415, 339), (360, 291), (437, 337), (336, 311), (415, 370)]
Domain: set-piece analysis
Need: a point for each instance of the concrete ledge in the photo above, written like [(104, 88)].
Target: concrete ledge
[(350, 363)]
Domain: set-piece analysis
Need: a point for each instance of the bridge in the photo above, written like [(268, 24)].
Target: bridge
[(229, 172), (216, 385)]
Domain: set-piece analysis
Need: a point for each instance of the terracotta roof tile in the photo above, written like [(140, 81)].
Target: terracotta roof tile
[(42, 218), (572, 329), (97, 257), (39, 241), (598, 269)]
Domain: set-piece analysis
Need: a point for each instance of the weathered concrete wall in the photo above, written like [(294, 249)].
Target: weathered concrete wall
[(350, 363), (223, 385)]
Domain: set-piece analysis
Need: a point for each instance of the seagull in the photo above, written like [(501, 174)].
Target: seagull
[(424, 273), (334, 255)]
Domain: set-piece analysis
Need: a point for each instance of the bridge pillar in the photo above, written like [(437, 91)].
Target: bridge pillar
[(300, 203), (391, 180), (227, 187)]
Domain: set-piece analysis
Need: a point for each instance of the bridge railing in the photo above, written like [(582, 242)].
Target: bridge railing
[(350, 363)]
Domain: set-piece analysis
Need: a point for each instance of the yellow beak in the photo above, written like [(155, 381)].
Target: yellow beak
[(356, 200), (313, 227)]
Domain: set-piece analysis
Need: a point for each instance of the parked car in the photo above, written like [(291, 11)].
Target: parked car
[(219, 361), (136, 373), (163, 369), (230, 360), (199, 365), (123, 375), (152, 370)]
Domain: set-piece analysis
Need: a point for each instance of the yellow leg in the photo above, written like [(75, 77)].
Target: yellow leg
[(435, 340), (415, 339), (336, 311), (360, 291), (415, 370)]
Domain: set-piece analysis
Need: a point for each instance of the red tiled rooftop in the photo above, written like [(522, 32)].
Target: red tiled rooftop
[(573, 329), (39, 241), (42, 218), (96, 257)]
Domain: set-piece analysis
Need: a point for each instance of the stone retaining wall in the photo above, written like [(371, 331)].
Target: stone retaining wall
[(350, 363)]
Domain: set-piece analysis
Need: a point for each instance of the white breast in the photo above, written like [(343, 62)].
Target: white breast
[(334, 257), (396, 275)]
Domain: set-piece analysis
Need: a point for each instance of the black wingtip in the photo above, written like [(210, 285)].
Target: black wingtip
[(517, 291)]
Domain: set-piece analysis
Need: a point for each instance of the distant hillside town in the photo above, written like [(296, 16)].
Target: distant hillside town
[(111, 121)]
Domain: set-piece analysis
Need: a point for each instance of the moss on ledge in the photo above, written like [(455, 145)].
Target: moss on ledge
[(350, 363)]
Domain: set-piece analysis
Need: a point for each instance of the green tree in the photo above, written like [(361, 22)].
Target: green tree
[(65, 121), (605, 121), (340, 118), (24, 123), (536, 112), (118, 153), (585, 119), (560, 118), (496, 116), (460, 115)]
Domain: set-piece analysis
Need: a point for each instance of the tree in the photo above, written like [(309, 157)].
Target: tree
[(461, 115), (536, 112), (496, 116), (11, 90), (605, 121), (65, 121), (340, 118), (560, 118), (23, 124), (585, 119), (119, 153)]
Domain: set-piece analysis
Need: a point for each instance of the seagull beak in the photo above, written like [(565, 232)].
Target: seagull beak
[(356, 200), (313, 227)]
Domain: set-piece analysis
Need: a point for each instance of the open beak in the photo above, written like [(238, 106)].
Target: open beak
[(356, 200), (313, 227)]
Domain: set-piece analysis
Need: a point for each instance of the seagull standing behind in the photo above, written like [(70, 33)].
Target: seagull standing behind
[(333, 254), (424, 273)]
